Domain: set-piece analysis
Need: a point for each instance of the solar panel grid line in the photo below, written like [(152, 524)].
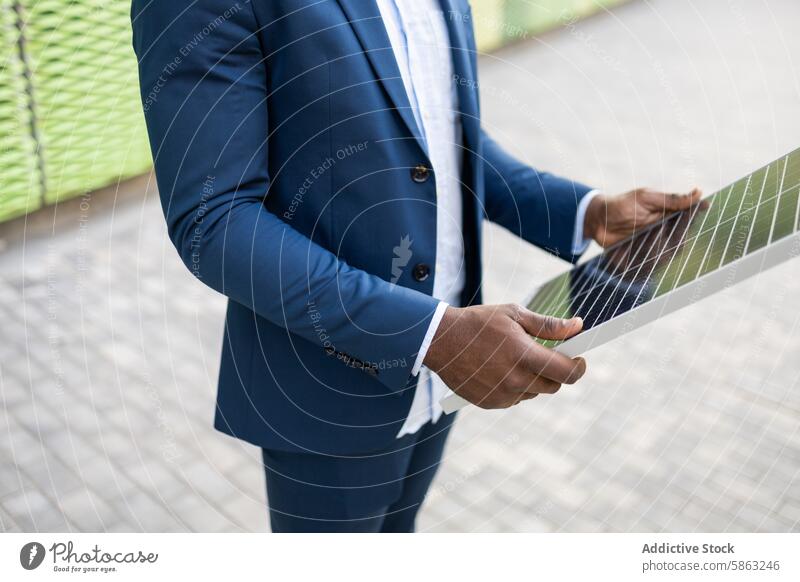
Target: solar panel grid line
[(713, 243), (616, 289), (619, 247), (737, 220), (785, 196), (707, 250), (673, 250), (588, 279), (715, 256), (655, 264), (742, 230), (550, 306), (777, 203), (759, 210), (643, 244), (621, 279), (785, 219), (718, 280), (708, 284), (667, 249), (758, 231), (550, 301), (688, 256), (593, 291), (706, 247), (797, 211), (768, 236), (549, 289), (674, 247), (704, 286)]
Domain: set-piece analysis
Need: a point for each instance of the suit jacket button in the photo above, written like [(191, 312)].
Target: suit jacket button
[(421, 271), (420, 173)]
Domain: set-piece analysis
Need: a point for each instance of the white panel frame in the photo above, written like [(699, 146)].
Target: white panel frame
[(757, 262)]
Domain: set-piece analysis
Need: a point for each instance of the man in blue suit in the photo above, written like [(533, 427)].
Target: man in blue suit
[(323, 164)]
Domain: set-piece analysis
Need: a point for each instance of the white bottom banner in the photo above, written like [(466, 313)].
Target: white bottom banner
[(401, 558)]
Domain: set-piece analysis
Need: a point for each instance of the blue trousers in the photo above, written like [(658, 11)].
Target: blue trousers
[(377, 492)]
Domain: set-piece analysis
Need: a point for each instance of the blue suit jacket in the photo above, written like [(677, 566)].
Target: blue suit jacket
[(285, 151)]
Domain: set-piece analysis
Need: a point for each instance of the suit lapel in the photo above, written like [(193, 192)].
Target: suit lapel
[(456, 18), (365, 18)]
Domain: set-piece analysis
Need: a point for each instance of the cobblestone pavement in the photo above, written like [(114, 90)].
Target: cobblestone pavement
[(109, 347)]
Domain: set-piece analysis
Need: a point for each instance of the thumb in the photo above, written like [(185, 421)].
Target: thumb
[(675, 202), (549, 327)]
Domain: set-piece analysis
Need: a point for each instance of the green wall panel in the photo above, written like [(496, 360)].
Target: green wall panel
[(20, 190), (90, 120), (488, 17), (498, 22), (79, 116)]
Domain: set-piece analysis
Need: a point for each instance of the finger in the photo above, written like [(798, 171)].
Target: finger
[(559, 368), (548, 327), (539, 361), (673, 202), (525, 396), (541, 385)]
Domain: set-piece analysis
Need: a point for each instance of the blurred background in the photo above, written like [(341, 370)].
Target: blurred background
[(107, 381)]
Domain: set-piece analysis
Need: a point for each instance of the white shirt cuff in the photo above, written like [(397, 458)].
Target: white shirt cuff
[(579, 243), (426, 341)]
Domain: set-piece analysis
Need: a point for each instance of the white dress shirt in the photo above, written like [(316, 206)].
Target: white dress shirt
[(421, 45)]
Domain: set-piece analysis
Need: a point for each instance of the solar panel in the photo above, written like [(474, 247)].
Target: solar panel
[(740, 231)]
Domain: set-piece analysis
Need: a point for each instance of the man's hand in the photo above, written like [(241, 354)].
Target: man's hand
[(486, 355), (610, 219)]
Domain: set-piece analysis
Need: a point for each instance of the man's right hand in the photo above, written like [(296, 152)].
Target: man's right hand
[(485, 354)]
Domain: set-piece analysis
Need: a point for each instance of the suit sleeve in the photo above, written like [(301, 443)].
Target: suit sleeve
[(537, 206), (203, 86)]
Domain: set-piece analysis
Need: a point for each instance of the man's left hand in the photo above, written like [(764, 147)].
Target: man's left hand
[(610, 219)]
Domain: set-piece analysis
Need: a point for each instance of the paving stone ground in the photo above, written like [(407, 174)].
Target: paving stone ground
[(109, 348)]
